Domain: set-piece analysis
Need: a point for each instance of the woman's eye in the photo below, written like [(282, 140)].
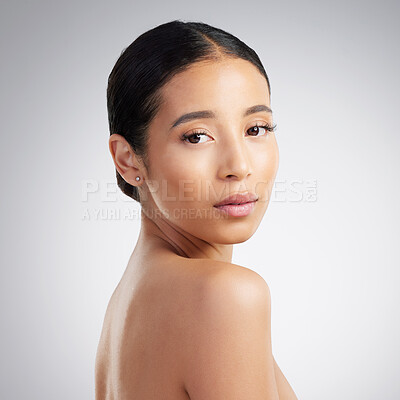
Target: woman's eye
[(255, 130), (193, 138)]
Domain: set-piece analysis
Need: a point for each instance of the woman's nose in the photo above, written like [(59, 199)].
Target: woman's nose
[(234, 160)]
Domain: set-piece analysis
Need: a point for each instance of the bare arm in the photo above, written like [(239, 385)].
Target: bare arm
[(284, 389), (229, 354)]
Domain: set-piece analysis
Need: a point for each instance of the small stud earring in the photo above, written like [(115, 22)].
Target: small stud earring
[(138, 178)]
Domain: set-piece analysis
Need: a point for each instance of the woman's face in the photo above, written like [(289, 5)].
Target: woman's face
[(187, 177)]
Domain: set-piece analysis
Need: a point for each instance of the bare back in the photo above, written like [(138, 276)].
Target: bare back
[(142, 345), (143, 322)]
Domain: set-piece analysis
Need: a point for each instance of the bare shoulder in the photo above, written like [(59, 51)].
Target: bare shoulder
[(214, 273), (228, 348), (234, 284), (220, 286)]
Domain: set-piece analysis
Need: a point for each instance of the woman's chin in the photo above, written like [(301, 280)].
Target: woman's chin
[(228, 235)]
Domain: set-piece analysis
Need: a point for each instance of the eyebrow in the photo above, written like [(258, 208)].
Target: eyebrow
[(209, 114)]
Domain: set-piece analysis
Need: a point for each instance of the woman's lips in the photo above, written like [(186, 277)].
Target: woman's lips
[(237, 210), (238, 198)]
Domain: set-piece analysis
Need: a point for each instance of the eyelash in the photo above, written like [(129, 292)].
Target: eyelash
[(267, 127)]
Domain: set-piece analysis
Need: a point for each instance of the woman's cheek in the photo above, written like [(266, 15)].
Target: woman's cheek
[(178, 175)]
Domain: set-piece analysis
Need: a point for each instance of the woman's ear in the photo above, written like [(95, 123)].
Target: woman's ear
[(125, 160)]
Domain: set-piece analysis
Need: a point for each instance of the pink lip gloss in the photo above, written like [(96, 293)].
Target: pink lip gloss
[(237, 210)]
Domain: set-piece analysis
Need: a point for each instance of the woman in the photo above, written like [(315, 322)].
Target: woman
[(191, 131)]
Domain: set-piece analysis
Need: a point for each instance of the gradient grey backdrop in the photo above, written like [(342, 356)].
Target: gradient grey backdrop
[(332, 264)]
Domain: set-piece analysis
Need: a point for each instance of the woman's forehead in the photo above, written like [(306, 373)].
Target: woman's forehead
[(228, 85)]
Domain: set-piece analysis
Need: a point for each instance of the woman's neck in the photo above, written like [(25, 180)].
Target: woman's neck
[(159, 233)]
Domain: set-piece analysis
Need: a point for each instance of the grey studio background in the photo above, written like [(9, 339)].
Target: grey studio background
[(328, 244)]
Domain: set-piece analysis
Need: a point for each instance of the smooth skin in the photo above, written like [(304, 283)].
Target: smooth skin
[(185, 322)]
